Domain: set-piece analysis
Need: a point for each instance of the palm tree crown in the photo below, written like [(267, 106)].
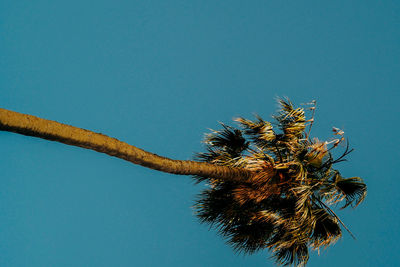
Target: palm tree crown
[(285, 205)]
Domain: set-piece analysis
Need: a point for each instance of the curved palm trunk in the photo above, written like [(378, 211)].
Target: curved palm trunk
[(70, 135)]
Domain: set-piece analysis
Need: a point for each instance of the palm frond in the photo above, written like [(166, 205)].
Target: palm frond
[(210, 156), (331, 212), (261, 132), (292, 120), (303, 195), (345, 153), (317, 151), (229, 140), (215, 205), (296, 254), (249, 237), (326, 229), (353, 189)]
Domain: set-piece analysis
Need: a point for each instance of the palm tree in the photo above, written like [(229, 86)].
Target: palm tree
[(271, 186)]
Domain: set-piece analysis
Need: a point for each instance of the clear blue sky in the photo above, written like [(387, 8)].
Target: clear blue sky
[(158, 74)]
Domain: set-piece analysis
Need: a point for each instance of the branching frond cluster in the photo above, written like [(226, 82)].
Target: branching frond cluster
[(285, 205)]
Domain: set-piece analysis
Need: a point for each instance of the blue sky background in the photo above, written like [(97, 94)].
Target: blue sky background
[(158, 74)]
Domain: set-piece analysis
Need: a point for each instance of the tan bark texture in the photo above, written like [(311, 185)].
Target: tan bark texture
[(51, 130)]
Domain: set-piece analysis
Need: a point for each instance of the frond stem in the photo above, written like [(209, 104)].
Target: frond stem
[(337, 217)]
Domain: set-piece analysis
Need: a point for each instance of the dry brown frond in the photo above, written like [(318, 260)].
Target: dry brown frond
[(318, 150)]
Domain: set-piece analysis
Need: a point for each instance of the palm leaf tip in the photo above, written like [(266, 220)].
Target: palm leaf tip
[(260, 131), (326, 229), (296, 255), (249, 238), (292, 120)]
